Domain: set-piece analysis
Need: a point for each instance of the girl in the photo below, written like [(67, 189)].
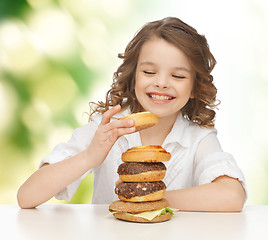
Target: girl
[(166, 70)]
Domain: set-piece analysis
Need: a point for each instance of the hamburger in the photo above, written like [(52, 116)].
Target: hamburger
[(143, 212)]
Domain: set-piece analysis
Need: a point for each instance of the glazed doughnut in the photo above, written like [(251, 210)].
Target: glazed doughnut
[(142, 120), (140, 191), (146, 153), (141, 172)]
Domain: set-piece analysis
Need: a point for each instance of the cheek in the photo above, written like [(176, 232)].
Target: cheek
[(136, 80), (192, 90), (137, 87), (185, 91), (189, 88), (139, 83)]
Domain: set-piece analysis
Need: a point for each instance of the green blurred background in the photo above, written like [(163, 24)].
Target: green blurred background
[(57, 55)]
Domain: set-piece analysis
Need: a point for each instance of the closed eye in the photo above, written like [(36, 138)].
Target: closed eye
[(149, 73), (178, 76)]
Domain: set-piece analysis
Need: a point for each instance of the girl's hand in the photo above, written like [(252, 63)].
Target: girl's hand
[(107, 134)]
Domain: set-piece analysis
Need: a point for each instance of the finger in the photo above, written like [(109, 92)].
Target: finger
[(106, 118), (126, 123), (112, 136), (124, 131)]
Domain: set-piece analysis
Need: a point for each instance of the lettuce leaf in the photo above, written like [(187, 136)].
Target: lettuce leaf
[(166, 210)]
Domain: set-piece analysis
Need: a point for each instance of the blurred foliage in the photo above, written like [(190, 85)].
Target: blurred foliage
[(53, 56), (40, 89), (16, 8)]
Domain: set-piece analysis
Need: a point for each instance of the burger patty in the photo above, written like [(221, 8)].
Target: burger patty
[(133, 189), (132, 168)]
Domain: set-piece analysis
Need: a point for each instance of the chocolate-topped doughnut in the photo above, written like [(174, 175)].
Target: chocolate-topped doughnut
[(141, 172), (140, 191)]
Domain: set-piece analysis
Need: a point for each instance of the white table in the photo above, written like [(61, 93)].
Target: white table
[(87, 221)]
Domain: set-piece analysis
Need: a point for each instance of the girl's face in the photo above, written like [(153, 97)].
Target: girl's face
[(164, 78)]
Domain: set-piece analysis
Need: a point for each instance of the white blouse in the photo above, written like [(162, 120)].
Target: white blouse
[(196, 158)]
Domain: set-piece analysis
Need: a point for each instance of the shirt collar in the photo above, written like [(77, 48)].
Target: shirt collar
[(178, 132)]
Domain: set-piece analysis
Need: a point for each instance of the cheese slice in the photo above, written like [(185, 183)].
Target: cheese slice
[(150, 214)]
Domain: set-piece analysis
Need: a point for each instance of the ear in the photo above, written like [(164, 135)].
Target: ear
[(192, 95)]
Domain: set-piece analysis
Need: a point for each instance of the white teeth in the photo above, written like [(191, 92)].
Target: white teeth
[(160, 97)]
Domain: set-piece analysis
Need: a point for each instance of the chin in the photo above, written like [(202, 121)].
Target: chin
[(161, 114)]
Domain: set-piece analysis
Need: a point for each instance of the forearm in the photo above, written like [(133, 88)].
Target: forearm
[(222, 195), (51, 179)]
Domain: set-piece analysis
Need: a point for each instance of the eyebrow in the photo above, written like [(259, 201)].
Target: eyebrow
[(153, 64), (183, 68)]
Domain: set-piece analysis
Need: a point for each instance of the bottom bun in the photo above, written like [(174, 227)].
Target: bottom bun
[(127, 217)]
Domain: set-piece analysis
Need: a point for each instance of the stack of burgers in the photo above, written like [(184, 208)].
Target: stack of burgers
[(142, 190)]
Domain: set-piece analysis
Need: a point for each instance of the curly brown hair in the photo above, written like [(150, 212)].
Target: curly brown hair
[(199, 109)]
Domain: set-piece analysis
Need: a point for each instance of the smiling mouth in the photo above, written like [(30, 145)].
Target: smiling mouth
[(158, 97)]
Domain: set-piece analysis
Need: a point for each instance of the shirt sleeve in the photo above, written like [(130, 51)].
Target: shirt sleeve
[(211, 162), (78, 142)]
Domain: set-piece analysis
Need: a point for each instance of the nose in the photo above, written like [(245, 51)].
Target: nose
[(161, 81)]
